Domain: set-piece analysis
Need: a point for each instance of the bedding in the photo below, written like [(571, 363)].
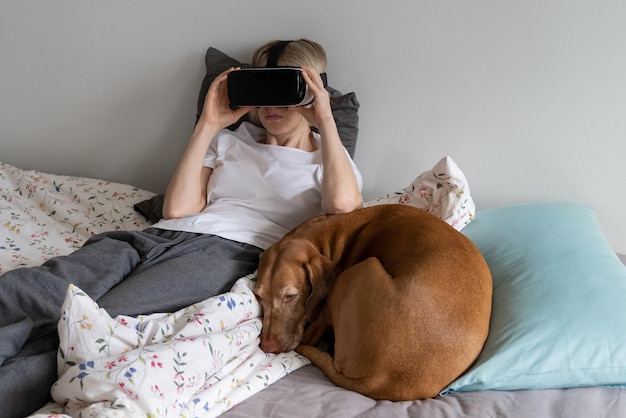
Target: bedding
[(559, 316), (45, 215), (443, 190), (557, 248), (203, 358)]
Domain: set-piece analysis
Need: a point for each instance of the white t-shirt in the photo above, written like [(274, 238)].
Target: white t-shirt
[(257, 192)]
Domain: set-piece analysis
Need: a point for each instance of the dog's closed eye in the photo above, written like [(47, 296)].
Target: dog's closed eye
[(289, 297)]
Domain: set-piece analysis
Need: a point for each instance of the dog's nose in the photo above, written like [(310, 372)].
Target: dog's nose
[(270, 345)]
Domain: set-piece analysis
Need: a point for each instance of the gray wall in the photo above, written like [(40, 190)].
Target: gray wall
[(528, 97)]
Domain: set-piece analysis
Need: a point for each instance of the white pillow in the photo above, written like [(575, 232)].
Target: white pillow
[(443, 191)]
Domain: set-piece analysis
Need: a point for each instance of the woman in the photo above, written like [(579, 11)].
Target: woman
[(231, 195), (270, 205)]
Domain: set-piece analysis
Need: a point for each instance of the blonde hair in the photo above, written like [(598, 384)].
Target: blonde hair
[(300, 53)]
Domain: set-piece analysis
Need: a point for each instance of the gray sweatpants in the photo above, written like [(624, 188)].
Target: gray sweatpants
[(129, 273)]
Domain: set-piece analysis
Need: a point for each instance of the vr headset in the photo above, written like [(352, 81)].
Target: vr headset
[(276, 86), (270, 86)]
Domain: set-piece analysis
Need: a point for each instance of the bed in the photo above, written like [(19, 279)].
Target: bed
[(570, 374), (555, 346)]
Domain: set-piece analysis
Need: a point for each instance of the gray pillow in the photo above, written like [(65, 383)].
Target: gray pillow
[(345, 106)]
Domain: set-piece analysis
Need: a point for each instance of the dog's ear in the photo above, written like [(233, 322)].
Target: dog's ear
[(321, 274)]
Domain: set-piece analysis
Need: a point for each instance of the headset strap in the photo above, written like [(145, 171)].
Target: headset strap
[(275, 51), (324, 79)]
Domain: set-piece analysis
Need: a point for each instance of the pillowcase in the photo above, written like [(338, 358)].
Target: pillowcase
[(151, 208), (345, 107), (559, 303), (443, 191)]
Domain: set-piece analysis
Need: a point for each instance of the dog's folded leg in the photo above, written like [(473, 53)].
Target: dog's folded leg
[(326, 363)]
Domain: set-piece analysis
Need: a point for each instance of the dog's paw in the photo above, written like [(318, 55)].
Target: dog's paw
[(316, 356), (303, 349)]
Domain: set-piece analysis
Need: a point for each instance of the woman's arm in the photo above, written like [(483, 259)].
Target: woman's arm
[(186, 192), (340, 189)]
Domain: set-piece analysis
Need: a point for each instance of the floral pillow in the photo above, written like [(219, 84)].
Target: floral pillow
[(443, 191)]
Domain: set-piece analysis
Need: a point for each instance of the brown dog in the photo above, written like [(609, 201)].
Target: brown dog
[(407, 296)]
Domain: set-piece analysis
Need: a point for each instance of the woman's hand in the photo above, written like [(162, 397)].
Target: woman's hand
[(319, 111), (216, 110)]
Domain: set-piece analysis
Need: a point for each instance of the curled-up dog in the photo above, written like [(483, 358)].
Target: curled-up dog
[(407, 297)]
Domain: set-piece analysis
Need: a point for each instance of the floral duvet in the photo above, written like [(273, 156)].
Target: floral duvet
[(199, 361), (45, 215)]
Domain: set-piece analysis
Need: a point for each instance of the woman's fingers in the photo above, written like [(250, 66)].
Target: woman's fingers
[(216, 104)]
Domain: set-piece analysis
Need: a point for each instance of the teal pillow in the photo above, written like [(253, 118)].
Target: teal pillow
[(559, 303)]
